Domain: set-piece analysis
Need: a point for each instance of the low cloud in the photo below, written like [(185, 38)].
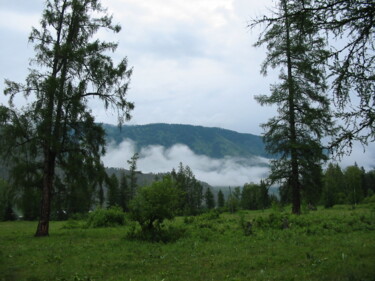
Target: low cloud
[(227, 171)]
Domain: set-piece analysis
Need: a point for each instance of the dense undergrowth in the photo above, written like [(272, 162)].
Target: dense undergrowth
[(328, 244)]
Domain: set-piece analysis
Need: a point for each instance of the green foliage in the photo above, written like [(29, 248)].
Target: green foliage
[(124, 192), (6, 202), (255, 196), (220, 199), (133, 175), (370, 199), (165, 234), (113, 216), (209, 198), (155, 203), (113, 192), (312, 225), (208, 248), (304, 116), (333, 184), (351, 66), (191, 191), (234, 200), (353, 176), (57, 129)]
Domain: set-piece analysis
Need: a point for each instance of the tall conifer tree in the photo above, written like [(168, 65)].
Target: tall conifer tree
[(71, 66), (295, 47)]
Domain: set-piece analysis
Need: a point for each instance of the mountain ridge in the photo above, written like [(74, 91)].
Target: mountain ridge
[(210, 141)]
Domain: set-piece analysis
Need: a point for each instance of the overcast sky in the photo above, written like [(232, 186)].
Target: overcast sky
[(193, 60)]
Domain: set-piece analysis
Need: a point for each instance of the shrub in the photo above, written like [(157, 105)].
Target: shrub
[(166, 234), (113, 216), (155, 203), (370, 199)]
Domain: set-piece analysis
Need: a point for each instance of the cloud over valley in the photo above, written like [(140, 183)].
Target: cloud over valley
[(228, 171)]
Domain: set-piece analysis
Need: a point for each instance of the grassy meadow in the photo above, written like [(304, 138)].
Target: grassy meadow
[(327, 244)]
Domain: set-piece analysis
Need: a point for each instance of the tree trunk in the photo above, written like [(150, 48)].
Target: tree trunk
[(45, 209), (296, 196)]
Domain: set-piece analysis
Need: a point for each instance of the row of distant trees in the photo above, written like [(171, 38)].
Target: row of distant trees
[(72, 198), (335, 186)]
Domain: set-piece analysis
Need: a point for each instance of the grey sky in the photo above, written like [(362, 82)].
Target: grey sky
[(193, 60)]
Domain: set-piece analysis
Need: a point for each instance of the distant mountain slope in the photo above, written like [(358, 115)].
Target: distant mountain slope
[(212, 142)]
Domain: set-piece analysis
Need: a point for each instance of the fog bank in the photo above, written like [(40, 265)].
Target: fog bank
[(229, 171)]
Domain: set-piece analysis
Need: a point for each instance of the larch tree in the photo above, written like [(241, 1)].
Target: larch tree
[(133, 175), (294, 136), (220, 199), (70, 68), (209, 199), (350, 26)]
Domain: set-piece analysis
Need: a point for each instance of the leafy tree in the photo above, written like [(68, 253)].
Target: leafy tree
[(26, 181), (72, 68), (333, 185), (220, 199), (155, 203), (81, 186), (304, 116), (191, 190), (101, 196), (133, 175), (124, 193), (352, 64), (255, 196), (285, 192), (6, 201), (209, 198), (234, 200), (113, 192), (353, 184), (369, 183), (312, 185)]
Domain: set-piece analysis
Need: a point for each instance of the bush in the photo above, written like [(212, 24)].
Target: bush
[(370, 199), (166, 234), (153, 204), (113, 216)]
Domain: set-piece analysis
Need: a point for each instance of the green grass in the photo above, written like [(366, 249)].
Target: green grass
[(335, 244)]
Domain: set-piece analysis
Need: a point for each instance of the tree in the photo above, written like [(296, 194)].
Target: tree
[(369, 183), (234, 199), (155, 203), (333, 185), (352, 65), (304, 116), (350, 26), (254, 196), (133, 175), (209, 198), (220, 199), (72, 68), (312, 185), (124, 193), (26, 181), (191, 191), (353, 184), (6, 201), (113, 192)]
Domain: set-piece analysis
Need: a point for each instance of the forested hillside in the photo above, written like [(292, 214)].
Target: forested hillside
[(213, 142)]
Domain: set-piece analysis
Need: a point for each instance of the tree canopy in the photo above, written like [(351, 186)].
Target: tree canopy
[(70, 67)]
